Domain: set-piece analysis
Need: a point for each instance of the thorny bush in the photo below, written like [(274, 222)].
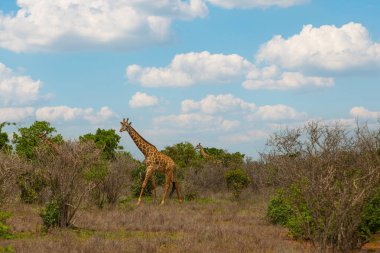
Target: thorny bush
[(335, 172)]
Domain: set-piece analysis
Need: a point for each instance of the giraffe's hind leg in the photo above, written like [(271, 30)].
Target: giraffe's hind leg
[(154, 189), (169, 179), (178, 193)]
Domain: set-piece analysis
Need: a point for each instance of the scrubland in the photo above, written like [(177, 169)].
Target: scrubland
[(212, 224)]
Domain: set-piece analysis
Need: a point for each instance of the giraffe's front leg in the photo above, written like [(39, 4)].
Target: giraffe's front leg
[(149, 171)]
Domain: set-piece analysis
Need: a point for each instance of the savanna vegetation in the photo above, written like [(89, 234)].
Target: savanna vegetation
[(316, 188)]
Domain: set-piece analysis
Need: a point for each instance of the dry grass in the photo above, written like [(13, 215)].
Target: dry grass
[(205, 225)]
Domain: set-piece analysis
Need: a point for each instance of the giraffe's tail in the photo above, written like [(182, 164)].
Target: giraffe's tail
[(173, 189)]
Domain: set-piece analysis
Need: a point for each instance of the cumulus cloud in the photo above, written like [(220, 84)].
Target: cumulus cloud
[(142, 100), (191, 68), (246, 136), (362, 112), (245, 4), (65, 113), (203, 67), (272, 78), (327, 47), (15, 114), (38, 24), (17, 89), (276, 112), (217, 103), (223, 113), (199, 121)]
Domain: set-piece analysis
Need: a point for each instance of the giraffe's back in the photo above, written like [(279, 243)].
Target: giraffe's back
[(160, 161)]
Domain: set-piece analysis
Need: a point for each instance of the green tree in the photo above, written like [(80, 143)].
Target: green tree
[(4, 139), (29, 138), (229, 160), (107, 140), (183, 154)]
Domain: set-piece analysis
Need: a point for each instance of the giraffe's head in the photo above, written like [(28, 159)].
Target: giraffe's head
[(199, 146), (125, 124)]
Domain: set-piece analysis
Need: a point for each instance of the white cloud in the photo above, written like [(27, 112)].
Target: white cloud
[(226, 124), (59, 113), (272, 78), (45, 25), (65, 113), (362, 112), (327, 47), (199, 68), (246, 136), (103, 115), (217, 103), (196, 121), (15, 114), (220, 113), (142, 100), (191, 68), (17, 89), (276, 112), (245, 4)]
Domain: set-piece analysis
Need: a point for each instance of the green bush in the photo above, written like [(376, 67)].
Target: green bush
[(51, 214), (97, 174), (237, 181), (279, 210), (370, 217), (6, 249), (4, 229), (31, 183), (287, 208)]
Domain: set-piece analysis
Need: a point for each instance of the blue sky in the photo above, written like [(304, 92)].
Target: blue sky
[(224, 73)]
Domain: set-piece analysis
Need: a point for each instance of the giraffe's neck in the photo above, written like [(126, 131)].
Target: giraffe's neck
[(51, 144), (143, 145), (204, 154)]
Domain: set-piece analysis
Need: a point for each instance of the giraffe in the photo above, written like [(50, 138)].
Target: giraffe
[(207, 156), (154, 161), (53, 145), (203, 152)]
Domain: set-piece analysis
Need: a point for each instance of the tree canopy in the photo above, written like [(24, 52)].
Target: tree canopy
[(182, 153), (106, 140), (28, 138), (4, 139)]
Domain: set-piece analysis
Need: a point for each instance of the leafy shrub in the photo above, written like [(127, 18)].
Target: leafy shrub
[(4, 229), (97, 174), (31, 183), (279, 210), (370, 217), (237, 181), (287, 208), (6, 249), (50, 214)]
